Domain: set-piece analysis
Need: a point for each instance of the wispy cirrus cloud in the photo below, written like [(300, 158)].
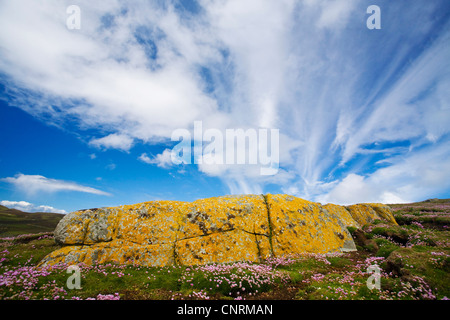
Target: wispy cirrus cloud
[(34, 184), (418, 176)]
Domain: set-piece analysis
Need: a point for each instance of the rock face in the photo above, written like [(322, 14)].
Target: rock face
[(214, 230)]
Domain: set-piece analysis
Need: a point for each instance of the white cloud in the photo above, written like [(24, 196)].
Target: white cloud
[(107, 67), (335, 13), (352, 189), (359, 189), (162, 160), (111, 166), (29, 207), (33, 184), (415, 177), (113, 141), (145, 158)]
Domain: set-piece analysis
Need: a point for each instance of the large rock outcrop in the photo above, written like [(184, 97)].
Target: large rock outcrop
[(214, 230)]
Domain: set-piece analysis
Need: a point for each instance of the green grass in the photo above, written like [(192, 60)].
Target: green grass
[(386, 247)]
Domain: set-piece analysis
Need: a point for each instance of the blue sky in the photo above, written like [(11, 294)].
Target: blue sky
[(86, 115)]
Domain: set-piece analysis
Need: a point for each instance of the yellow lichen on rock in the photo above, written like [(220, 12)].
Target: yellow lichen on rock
[(384, 212), (302, 226), (341, 213), (222, 229), (231, 246), (116, 251), (221, 214), (88, 226), (215, 230), (154, 222), (369, 212)]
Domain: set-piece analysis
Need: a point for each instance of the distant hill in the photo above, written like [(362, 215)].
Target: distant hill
[(14, 222), (428, 202), (436, 200)]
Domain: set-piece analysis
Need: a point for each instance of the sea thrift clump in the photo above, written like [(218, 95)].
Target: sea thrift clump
[(321, 258), (440, 258), (233, 279), (281, 261), (115, 296), (317, 277), (417, 224), (200, 295)]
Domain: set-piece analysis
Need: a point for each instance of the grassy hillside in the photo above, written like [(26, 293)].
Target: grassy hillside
[(15, 222)]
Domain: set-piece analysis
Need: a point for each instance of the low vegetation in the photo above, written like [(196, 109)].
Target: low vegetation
[(413, 259)]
